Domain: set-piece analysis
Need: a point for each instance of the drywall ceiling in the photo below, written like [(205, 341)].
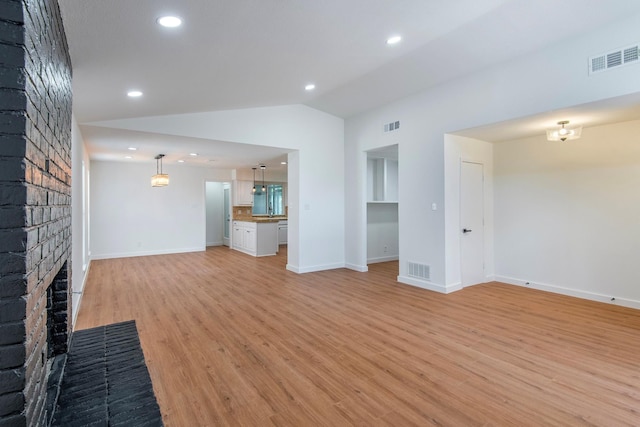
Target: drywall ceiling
[(232, 54), (613, 110)]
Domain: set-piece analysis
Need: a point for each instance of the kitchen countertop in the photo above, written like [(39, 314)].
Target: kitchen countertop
[(262, 219)]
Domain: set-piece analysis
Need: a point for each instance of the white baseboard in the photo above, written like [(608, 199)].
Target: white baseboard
[(382, 259), (311, 269), (147, 253), (609, 299), (355, 267), (76, 307), (220, 243), (424, 284)]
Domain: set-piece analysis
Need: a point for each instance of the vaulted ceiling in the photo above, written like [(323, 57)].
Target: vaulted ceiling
[(232, 54)]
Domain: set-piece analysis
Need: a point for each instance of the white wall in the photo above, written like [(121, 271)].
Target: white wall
[(566, 214), (456, 150), (316, 198), (131, 218), (554, 78), (214, 217), (80, 254), (382, 232)]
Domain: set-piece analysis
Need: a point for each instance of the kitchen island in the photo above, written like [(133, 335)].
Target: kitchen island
[(256, 236)]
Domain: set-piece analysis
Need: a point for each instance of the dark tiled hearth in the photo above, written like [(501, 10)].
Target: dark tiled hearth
[(106, 382)]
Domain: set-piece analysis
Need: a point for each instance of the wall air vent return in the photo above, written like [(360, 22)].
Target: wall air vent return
[(614, 59), (420, 271), (391, 126)]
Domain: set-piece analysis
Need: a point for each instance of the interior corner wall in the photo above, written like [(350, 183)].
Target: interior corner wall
[(566, 214), (131, 218), (514, 89), (458, 149), (382, 232), (214, 213), (80, 257)]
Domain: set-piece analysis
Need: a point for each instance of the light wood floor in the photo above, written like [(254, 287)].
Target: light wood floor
[(235, 340)]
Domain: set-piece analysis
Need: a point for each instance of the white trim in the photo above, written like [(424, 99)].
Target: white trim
[(75, 310), (253, 254), (219, 243), (382, 259), (148, 253), (360, 268), (429, 285), (624, 302), (313, 268)]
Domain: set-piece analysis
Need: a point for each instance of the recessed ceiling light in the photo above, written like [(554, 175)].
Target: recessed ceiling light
[(128, 157), (193, 154), (394, 40), (283, 163), (310, 86), (170, 21), (132, 148), (134, 93), (180, 161)]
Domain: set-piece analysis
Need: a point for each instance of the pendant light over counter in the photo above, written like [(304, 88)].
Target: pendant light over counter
[(253, 190), (263, 167), (159, 179)]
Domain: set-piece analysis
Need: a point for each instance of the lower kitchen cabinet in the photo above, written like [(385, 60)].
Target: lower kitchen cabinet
[(255, 238)]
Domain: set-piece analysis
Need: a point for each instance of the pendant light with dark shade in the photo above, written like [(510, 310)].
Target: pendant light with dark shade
[(264, 188)]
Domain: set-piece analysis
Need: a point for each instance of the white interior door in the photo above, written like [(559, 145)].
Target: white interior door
[(472, 223)]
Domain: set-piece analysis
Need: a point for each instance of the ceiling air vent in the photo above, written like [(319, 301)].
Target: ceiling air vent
[(420, 271), (614, 59)]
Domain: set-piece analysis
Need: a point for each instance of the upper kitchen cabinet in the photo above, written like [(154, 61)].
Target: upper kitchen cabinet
[(382, 175), (242, 193)]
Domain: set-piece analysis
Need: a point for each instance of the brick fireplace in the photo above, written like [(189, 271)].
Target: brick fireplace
[(35, 204)]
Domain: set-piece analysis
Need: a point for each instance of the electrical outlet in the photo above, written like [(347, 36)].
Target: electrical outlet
[(385, 249)]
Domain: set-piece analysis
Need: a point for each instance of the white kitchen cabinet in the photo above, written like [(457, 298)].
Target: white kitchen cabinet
[(242, 193), (283, 231), (255, 238)]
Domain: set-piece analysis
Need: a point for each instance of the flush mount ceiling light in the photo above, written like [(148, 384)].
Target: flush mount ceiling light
[(134, 94), (159, 179), (170, 21), (394, 40), (310, 86), (564, 133)]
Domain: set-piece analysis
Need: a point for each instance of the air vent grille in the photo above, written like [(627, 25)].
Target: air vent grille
[(391, 126), (615, 58), (631, 54), (420, 271)]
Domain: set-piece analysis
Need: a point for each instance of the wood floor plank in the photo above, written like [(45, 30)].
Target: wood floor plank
[(231, 339)]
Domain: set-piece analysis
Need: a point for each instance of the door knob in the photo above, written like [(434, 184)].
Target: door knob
[(466, 230)]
